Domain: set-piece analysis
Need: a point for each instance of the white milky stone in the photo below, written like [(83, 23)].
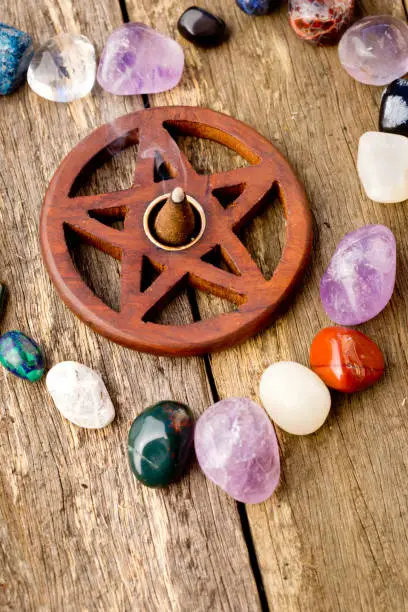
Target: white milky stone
[(63, 69), (382, 166), (80, 395), (295, 398)]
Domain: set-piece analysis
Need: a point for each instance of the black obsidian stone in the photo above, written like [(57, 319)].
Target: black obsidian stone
[(201, 27), (394, 108)]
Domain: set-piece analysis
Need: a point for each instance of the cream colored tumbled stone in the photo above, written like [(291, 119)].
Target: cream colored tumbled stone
[(382, 166), (295, 398), (80, 395)]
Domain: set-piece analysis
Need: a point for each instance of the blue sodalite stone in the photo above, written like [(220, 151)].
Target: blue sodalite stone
[(22, 356), (258, 7), (16, 50)]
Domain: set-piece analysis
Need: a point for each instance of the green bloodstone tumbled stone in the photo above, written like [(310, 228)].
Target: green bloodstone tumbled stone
[(21, 356), (160, 443)]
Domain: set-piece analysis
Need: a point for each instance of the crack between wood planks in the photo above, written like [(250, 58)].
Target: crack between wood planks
[(245, 526), (243, 515), (126, 19), (124, 11)]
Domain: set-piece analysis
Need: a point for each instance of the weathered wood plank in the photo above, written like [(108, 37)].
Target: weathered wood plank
[(77, 531), (334, 537)]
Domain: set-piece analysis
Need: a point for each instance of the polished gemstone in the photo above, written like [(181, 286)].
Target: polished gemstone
[(258, 7), (346, 359), (21, 356), (201, 27), (139, 60), (236, 448), (320, 22), (382, 165), (375, 49), (360, 279), (63, 69), (394, 108), (80, 395), (16, 49), (294, 397), (160, 443)]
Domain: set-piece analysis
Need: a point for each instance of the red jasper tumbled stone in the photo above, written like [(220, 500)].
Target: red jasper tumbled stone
[(320, 22), (346, 359)]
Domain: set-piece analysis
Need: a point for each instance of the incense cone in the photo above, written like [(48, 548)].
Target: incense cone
[(175, 222)]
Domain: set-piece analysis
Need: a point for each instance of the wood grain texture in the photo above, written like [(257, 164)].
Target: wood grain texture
[(257, 299), (77, 532), (334, 537)]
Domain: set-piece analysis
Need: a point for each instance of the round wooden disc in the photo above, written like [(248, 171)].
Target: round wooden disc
[(244, 284)]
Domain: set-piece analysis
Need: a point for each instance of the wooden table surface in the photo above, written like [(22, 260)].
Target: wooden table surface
[(77, 530)]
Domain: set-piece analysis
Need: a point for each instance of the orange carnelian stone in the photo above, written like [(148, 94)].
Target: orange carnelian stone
[(346, 359)]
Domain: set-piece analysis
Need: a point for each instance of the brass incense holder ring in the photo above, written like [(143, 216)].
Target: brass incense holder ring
[(174, 236)]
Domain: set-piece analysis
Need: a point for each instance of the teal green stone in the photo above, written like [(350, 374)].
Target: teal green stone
[(21, 356), (160, 443)]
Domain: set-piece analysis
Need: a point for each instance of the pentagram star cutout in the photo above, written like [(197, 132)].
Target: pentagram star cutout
[(255, 297)]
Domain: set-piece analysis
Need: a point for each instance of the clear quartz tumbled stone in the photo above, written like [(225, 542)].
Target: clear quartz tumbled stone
[(80, 395), (63, 69)]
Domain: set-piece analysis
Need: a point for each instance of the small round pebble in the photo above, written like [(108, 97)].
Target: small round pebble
[(360, 278), (236, 448), (258, 7), (16, 50), (21, 355), (202, 27), (295, 398), (139, 60), (160, 443), (320, 23), (382, 166), (394, 108), (63, 69), (80, 395), (375, 49), (345, 359)]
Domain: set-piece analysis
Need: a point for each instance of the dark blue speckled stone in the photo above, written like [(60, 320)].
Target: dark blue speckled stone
[(16, 50), (21, 356), (394, 108), (258, 7)]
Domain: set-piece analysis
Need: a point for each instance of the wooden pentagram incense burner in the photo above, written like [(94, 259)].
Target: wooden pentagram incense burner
[(257, 299)]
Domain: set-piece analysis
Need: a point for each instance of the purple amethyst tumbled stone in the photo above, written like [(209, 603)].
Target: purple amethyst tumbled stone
[(360, 279), (375, 49), (236, 448), (139, 60)]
